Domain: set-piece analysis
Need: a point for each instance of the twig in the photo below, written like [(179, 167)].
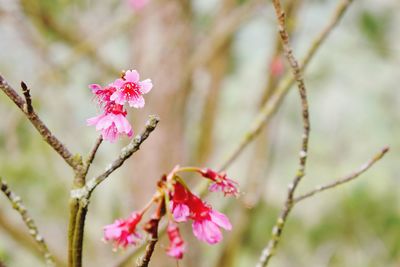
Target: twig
[(271, 106), (60, 148), (126, 152), (80, 196), (92, 155), (152, 228), (345, 179), (33, 230), (267, 252)]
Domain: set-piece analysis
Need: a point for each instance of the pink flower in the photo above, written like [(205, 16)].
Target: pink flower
[(177, 246), (221, 183), (112, 123), (102, 94), (179, 201), (138, 4), (207, 222), (123, 232), (131, 90)]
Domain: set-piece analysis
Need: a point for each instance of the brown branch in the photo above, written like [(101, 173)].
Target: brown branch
[(267, 252), (43, 130), (271, 106), (30, 224), (152, 228), (80, 196), (345, 179), (92, 155), (126, 152)]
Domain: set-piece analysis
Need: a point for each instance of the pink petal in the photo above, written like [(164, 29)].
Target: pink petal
[(94, 87), (131, 76), (221, 220), (118, 83), (211, 232), (181, 213), (137, 103), (93, 120), (145, 86), (198, 230)]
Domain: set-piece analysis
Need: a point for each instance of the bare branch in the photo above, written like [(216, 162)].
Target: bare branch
[(126, 152), (272, 105), (33, 230), (80, 196), (43, 130), (267, 252), (92, 155), (345, 179), (152, 228)]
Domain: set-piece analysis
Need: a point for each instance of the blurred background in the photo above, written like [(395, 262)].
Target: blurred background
[(213, 65)]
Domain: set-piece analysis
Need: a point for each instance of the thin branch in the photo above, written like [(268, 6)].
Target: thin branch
[(43, 130), (126, 152), (271, 106), (80, 196), (345, 179), (152, 228), (92, 155), (33, 230), (267, 252)]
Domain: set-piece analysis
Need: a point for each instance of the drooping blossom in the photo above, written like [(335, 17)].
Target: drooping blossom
[(112, 123), (123, 232), (179, 203), (206, 221), (221, 183), (177, 246), (130, 90)]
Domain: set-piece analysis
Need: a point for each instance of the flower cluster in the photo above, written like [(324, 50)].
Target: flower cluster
[(180, 205), (112, 98)]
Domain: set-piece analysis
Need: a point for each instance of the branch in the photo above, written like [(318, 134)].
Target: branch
[(80, 196), (271, 106), (26, 108), (33, 230), (92, 155), (345, 179), (126, 152), (267, 252), (152, 228)]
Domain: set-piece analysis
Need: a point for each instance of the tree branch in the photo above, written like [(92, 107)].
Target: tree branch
[(33, 230), (80, 196), (152, 228), (267, 252), (43, 130), (345, 179), (271, 106)]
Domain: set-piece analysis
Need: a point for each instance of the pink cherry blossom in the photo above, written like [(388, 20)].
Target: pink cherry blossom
[(179, 203), (102, 94), (177, 246), (131, 90), (123, 232), (112, 123), (221, 183), (206, 221)]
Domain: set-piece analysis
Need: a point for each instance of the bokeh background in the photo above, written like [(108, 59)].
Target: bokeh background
[(213, 64)]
